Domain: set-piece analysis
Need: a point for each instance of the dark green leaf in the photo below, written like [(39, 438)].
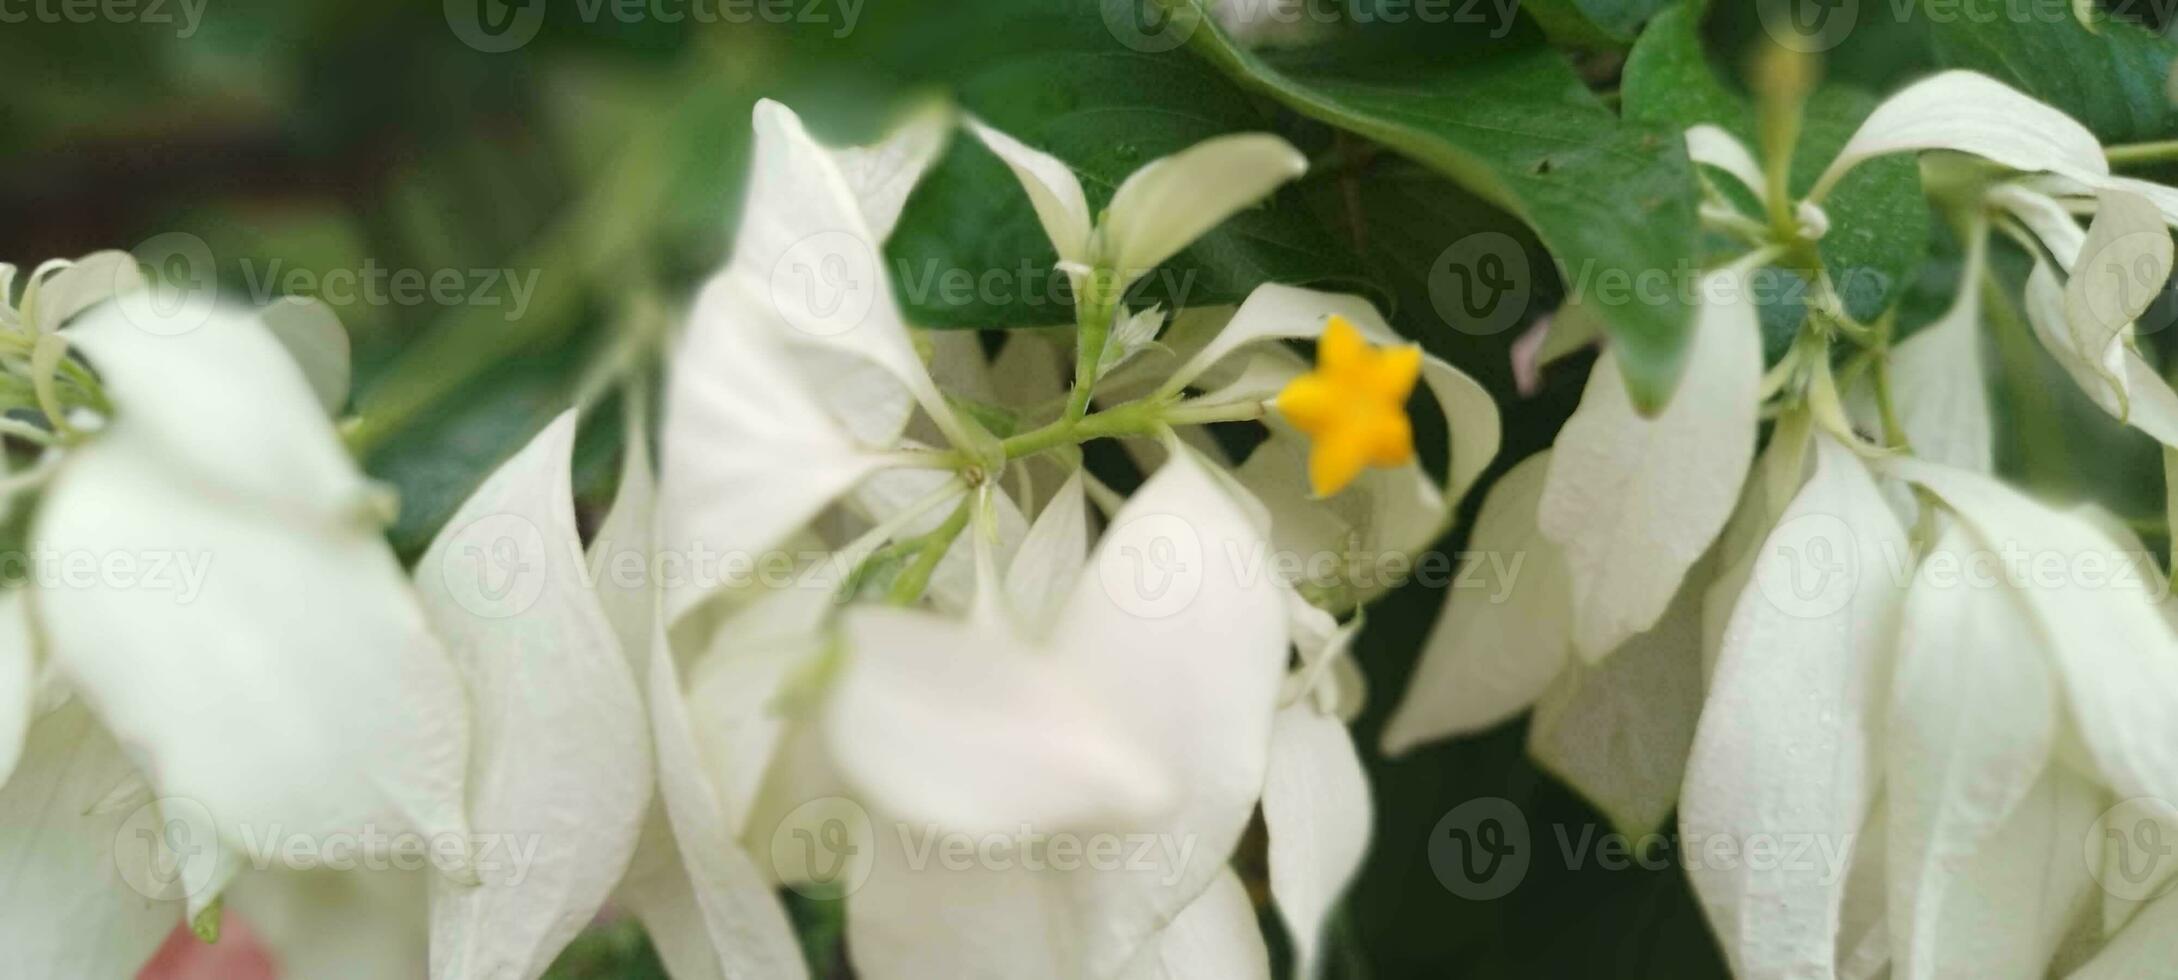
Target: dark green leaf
[(2111, 79), (1613, 201), (969, 252), (1879, 218), (1669, 80), (1592, 22)]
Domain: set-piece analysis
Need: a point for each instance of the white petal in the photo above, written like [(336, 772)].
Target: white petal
[(1178, 642), (84, 283), (1051, 557), (314, 337), (736, 690), (1972, 113), (18, 679), (924, 914), (1194, 663), (2114, 653), (1052, 189), (1973, 718), (748, 454), (1317, 814), (71, 913), (937, 721), (2122, 268), (2164, 198), (2123, 384), (1942, 388), (1720, 149), (2133, 872), (1215, 938), (1171, 201), (883, 174), (222, 399), (1495, 649), (1774, 481), (560, 756), (1864, 935), (2102, 378), (807, 249), (2016, 900), (1786, 750), (2145, 948), (620, 552), (1619, 731), (748, 928), (657, 892), (2046, 217), (1633, 501), (263, 649)]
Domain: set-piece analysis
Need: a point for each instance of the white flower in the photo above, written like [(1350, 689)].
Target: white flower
[(262, 663), (1053, 701), (1159, 209), (2086, 289), (560, 761), (1114, 722)]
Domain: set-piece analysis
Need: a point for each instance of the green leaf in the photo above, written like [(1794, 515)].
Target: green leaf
[(1879, 217), (1668, 78), (1613, 201), (2111, 79), (1592, 23), (968, 252)]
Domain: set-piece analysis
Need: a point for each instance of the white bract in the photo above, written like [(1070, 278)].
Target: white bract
[(260, 672)]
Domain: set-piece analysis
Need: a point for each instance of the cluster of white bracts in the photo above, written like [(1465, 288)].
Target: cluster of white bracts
[(515, 701), (1947, 744), (1938, 728)]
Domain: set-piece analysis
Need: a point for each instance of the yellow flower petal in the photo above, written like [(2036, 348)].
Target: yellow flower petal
[(1342, 348), (1334, 462)]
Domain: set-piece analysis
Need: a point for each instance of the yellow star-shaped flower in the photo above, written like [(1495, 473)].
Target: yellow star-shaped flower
[(1353, 407)]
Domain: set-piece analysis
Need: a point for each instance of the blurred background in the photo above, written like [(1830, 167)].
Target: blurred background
[(547, 171)]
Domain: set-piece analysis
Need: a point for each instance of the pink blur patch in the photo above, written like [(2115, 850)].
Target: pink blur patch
[(238, 955), (1527, 355)]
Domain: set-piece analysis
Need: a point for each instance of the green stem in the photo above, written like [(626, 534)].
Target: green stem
[(1093, 328), (2045, 452), (2138, 154), (929, 550), (1894, 434)]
